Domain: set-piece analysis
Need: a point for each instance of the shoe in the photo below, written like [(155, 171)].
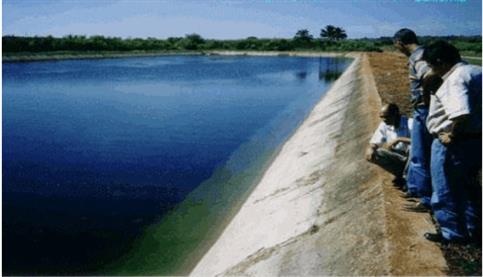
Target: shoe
[(438, 237), (434, 237), (398, 182), (475, 238), (409, 194), (418, 208)]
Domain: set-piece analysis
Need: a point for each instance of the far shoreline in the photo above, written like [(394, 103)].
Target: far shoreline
[(82, 55), (92, 55)]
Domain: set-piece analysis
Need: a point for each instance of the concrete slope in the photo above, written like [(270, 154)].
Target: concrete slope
[(320, 209)]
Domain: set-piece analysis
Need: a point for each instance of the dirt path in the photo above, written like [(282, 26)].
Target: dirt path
[(406, 228), (409, 252)]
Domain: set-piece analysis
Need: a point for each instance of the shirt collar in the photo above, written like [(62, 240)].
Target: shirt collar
[(446, 75), (416, 51)]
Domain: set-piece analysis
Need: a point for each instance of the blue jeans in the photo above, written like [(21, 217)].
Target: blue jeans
[(456, 199), (419, 173)]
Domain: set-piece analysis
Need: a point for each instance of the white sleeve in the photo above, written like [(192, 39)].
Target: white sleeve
[(421, 68), (379, 136), (455, 99)]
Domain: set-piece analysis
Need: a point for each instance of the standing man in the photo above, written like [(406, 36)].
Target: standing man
[(455, 122), (419, 176)]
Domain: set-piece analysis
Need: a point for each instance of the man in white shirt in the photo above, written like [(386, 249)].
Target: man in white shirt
[(389, 146), (454, 120)]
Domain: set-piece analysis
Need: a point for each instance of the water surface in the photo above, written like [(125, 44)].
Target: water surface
[(97, 154)]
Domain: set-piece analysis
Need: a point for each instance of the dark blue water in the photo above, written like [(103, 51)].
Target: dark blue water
[(96, 150)]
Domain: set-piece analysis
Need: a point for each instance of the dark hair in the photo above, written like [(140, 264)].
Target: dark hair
[(441, 52), (431, 83), (391, 109), (405, 36)]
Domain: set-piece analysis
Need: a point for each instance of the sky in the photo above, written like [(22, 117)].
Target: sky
[(232, 19)]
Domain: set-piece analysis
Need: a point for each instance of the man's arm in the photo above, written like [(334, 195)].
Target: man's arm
[(456, 105), (378, 138), (459, 124), (393, 142)]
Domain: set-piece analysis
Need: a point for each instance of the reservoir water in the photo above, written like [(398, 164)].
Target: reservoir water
[(127, 166)]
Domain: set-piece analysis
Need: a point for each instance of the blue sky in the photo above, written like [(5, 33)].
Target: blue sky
[(238, 19)]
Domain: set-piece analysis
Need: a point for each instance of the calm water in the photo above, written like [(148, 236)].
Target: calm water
[(95, 151)]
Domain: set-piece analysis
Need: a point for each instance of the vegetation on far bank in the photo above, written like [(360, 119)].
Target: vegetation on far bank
[(330, 39)]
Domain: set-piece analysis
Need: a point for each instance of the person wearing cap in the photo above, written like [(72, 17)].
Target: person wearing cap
[(419, 175), (389, 145), (454, 121)]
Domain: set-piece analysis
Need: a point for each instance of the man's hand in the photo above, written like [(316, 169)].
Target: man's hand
[(390, 145), (370, 152), (445, 138)]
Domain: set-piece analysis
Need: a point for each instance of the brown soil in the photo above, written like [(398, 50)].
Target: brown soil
[(391, 78)]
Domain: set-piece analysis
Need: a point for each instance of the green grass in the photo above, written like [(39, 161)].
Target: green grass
[(473, 61)]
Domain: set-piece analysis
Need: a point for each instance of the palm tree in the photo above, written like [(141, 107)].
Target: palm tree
[(340, 33), (333, 33), (328, 32)]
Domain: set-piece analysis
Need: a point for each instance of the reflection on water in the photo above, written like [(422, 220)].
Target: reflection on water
[(331, 69), (301, 75)]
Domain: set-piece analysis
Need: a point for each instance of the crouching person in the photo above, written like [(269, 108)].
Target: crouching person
[(455, 122), (389, 146)]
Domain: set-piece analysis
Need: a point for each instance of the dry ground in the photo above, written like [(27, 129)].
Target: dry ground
[(391, 77)]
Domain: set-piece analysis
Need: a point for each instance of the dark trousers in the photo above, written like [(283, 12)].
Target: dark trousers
[(456, 199), (392, 161)]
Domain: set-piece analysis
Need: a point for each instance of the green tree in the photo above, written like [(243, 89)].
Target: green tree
[(192, 42), (303, 35), (303, 38), (333, 33)]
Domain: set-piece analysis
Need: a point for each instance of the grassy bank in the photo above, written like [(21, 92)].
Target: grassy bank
[(473, 60), (69, 55), (80, 47)]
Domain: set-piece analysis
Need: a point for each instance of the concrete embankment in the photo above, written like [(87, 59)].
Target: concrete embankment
[(320, 209)]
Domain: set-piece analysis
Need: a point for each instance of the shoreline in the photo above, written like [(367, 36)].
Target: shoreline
[(60, 56), (72, 55)]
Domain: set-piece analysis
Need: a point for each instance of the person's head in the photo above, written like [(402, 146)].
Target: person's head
[(404, 40), (441, 57), (390, 114)]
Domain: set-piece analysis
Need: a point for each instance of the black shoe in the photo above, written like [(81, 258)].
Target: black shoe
[(399, 182), (409, 195), (418, 208), (438, 237), (475, 238)]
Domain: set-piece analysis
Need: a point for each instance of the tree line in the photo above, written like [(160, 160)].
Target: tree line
[(331, 38)]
